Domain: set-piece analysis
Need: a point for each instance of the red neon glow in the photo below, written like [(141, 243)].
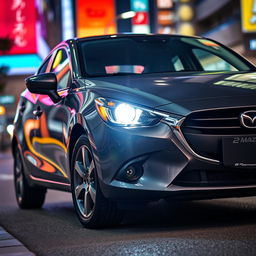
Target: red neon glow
[(140, 18), (18, 22)]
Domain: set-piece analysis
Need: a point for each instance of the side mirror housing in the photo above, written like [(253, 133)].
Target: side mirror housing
[(45, 84)]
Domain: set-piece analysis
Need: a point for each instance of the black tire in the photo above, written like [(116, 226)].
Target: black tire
[(92, 208), (27, 197)]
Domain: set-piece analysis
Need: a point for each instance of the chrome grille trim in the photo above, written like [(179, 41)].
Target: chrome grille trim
[(184, 142), (217, 121), (181, 139), (214, 122), (213, 127)]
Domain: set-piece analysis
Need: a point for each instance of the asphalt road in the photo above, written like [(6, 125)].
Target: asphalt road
[(216, 227)]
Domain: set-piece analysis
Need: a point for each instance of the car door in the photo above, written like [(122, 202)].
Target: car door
[(28, 123), (49, 134)]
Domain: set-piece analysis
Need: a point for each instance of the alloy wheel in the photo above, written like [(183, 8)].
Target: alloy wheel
[(19, 177), (84, 182)]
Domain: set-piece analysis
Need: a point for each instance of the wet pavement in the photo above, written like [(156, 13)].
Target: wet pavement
[(213, 227)]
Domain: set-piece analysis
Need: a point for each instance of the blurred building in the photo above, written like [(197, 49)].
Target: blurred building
[(34, 28), (231, 22), (224, 21)]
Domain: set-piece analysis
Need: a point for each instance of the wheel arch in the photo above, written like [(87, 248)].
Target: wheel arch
[(14, 144), (76, 132)]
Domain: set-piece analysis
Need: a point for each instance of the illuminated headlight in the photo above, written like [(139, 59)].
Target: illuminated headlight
[(127, 114), (124, 114)]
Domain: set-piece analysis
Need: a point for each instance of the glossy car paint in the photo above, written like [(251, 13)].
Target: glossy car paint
[(46, 132)]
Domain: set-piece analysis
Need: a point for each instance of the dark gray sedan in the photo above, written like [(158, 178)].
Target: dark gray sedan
[(126, 119)]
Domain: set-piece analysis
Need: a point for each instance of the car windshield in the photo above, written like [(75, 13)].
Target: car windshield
[(154, 54)]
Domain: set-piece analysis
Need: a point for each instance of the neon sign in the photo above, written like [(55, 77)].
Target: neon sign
[(20, 21), (17, 21), (95, 17)]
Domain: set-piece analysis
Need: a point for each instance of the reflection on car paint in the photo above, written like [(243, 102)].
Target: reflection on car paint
[(48, 181), (238, 81), (32, 159), (46, 100), (43, 165), (31, 124), (30, 96)]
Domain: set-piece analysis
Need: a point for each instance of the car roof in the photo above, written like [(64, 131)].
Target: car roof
[(126, 35)]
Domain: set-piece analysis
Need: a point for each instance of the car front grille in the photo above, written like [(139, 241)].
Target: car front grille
[(204, 130), (217, 122)]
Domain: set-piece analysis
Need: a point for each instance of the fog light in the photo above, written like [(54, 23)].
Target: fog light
[(132, 173)]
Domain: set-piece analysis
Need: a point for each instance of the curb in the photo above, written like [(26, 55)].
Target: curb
[(10, 246)]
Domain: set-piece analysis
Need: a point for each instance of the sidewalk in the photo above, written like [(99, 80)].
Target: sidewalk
[(9, 246)]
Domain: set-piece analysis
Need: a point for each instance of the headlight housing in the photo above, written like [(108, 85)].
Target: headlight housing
[(124, 114)]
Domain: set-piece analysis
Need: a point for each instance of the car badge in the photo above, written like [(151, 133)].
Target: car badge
[(248, 119)]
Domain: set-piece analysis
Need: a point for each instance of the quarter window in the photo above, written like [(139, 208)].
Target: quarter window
[(44, 66), (61, 68)]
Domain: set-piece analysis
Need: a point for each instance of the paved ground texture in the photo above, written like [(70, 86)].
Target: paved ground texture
[(10, 246), (215, 227)]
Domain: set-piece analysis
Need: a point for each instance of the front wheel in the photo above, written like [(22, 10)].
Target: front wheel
[(92, 208), (27, 197)]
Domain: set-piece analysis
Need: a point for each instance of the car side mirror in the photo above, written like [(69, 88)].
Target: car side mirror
[(45, 84)]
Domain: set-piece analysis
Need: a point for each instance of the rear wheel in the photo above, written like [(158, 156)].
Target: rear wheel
[(92, 208), (27, 197)]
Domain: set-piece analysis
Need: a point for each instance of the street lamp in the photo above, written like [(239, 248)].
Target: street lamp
[(126, 15), (122, 16)]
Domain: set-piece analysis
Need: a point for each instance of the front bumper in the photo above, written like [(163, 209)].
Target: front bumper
[(171, 169), (175, 193)]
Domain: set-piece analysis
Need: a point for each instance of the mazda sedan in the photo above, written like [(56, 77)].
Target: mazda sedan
[(127, 119)]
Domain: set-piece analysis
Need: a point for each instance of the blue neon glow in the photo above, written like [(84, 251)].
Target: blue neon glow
[(21, 64), (139, 5)]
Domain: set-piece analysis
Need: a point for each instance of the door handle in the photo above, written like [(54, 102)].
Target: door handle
[(38, 112)]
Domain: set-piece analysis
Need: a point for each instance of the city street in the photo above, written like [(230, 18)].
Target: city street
[(128, 100), (216, 227)]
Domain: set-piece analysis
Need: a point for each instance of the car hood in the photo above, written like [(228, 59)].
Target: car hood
[(182, 92)]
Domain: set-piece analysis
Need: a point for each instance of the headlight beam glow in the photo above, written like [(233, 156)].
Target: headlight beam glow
[(126, 114)]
